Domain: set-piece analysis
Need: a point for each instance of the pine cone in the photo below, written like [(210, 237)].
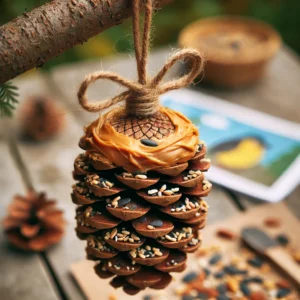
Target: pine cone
[(139, 190), (41, 119), (33, 222)]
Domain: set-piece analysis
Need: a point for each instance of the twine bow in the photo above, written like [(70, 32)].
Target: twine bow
[(142, 97)]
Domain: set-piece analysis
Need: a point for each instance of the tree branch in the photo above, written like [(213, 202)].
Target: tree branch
[(33, 38)]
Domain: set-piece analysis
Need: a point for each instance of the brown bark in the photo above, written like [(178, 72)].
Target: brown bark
[(33, 38)]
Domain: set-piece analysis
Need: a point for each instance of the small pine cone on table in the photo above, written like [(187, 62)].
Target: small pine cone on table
[(33, 222), (139, 190), (41, 119)]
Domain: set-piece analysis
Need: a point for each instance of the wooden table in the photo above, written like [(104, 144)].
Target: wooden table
[(48, 165)]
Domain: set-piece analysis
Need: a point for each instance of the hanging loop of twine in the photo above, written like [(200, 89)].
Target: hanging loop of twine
[(142, 97)]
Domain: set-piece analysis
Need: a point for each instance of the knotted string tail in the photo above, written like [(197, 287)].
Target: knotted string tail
[(141, 51), (136, 36), (142, 97)]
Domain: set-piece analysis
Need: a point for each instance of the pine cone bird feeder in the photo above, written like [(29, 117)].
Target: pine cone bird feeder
[(33, 222), (140, 181), (141, 220)]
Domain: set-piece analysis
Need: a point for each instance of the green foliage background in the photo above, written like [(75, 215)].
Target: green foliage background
[(284, 15)]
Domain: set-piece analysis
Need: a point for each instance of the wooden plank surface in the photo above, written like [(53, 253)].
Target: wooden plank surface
[(23, 275), (50, 167), (253, 217)]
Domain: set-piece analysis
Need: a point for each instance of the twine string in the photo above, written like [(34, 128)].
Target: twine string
[(142, 97)]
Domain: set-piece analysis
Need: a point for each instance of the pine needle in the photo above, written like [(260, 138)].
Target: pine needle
[(8, 99)]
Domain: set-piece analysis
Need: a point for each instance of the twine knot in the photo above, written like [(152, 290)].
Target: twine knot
[(143, 102), (142, 97)]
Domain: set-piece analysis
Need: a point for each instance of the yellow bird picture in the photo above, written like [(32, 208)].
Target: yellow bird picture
[(240, 154)]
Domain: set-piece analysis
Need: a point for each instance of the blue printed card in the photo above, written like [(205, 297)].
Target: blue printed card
[(251, 152)]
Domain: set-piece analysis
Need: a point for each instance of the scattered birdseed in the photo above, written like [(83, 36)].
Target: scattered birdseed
[(226, 234), (283, 284), (215, 259), (283, 292), (254, 279), (256, 262), (296, 256), (219, 274), (231, 278), (282, 239), (112, 297), (272, 222), (269, 284), (223, 297), (222, 288), (245, 289), (187, 297), (190, 277), (232, 284), (206, 271), (233, 270)]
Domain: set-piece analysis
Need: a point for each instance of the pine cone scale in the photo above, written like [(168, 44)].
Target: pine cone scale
[(29, 231)]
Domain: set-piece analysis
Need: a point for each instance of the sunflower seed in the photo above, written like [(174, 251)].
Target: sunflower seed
[(149, 143), (168, 192), (113, 233), (157, 223), (123, 202), (152, 192), (163, 188), (140, 176)]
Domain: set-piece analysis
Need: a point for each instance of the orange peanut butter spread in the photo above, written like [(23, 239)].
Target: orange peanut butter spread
[(132, 155)]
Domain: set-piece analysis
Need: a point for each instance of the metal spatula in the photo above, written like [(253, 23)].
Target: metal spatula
[(265, 245)]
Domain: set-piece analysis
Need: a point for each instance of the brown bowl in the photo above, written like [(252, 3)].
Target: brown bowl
[(237, 50)]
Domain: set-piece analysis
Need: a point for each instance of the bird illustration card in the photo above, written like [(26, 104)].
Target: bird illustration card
[(251, 152)]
